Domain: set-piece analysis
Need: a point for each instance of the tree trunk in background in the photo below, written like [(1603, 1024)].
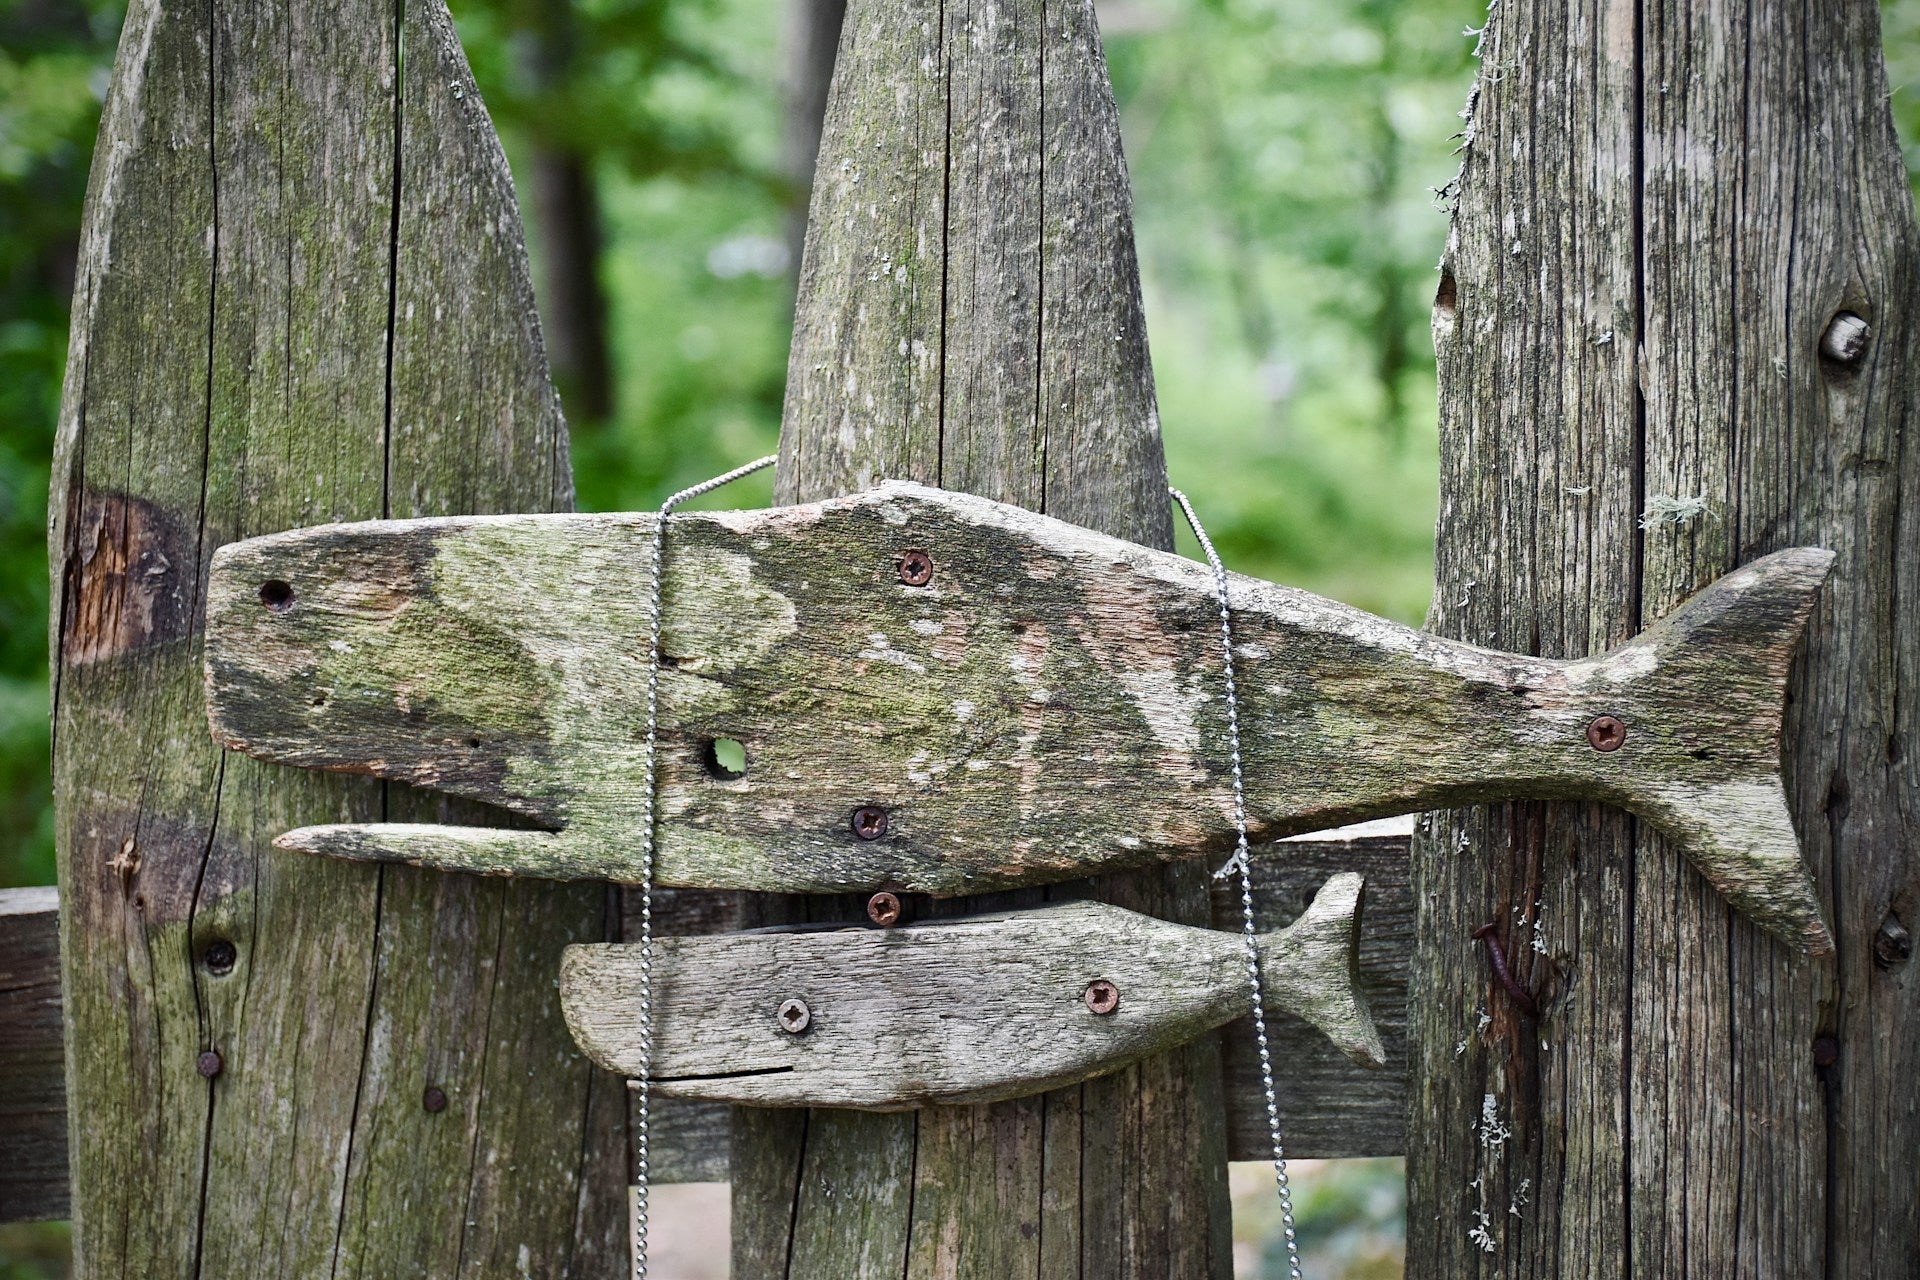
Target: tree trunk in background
[(302, 298), (813, 41), (1663, 208), (567, 227), (969, 316)]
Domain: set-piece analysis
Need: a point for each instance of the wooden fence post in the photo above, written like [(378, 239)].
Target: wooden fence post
[(302, 297), (1676, 330), (969, 316)]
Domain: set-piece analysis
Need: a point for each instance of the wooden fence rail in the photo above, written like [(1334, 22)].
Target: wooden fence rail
[(1352, 1112)]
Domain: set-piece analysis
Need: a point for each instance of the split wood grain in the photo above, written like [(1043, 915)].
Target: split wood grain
[(1663, 211), (301, 297), (1002, 715), (969, 316), (970, 1010), (33, 1094)]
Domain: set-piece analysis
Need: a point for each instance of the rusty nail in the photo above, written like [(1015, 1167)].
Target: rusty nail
[(869, 822), (1826, 1051), (916, 568), (795, 1017), (883, 909), (1606, 733), (1102, 996), (1498, 958), (1892, 944), (276, 595), (1846, 338), (434, 1100), (219, 957), (208, 1065)]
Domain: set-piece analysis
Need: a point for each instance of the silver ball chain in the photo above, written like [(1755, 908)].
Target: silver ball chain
[(641, 1084), (1242, 862)]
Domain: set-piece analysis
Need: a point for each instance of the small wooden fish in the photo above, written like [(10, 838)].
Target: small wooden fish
[(966, 1010), (944, 694)]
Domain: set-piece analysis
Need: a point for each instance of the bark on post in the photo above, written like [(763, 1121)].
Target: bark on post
[(1665, 213), (302, 297), (969, 316)]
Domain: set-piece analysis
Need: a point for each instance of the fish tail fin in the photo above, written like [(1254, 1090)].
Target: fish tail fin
[(1703, 696), (1311, 969)]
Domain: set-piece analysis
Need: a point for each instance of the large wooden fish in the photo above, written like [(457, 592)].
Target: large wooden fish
[(965, 1010), (939, 693)]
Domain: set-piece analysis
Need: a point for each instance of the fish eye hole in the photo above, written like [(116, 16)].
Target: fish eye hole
[(725, 758)]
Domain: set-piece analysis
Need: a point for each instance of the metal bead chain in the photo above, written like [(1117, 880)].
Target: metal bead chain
[(641, 1084), (1242, 862)]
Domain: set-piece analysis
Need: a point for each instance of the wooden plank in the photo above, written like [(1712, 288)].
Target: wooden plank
[(33, 1092), (302, 297), (974, 1009), (1666, 214), (1330, 1106), (995, 712)]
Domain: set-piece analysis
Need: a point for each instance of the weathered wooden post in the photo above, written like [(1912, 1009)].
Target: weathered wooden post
[(1675, 330), (302, 297), (969, 316)]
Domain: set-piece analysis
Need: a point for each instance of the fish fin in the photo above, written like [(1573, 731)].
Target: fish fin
[(1705, 770), (1311, 969)]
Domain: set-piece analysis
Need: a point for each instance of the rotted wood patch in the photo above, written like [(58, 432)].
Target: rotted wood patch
[(993, 726)]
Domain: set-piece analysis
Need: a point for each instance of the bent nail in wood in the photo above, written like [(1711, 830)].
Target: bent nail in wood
[(940, 693)]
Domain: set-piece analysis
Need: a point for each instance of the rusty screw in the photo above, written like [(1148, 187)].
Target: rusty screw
[(1102, 996), (883, 909), (1826, 1051), (208, 1065), (219, 957), (434, 1100), (869, 822), (1606, 733), (794, 1017), (916, 568)]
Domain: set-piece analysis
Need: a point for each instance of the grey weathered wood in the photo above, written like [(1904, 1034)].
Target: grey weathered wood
[(965, 1010), (1329, 1105), (1663, 210), (302, 297), (33, 1095), (997, 712), (971, 198)]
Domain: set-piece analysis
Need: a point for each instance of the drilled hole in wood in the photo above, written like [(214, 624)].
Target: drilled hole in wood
[(276, 595), (725, 758), (473, 744)]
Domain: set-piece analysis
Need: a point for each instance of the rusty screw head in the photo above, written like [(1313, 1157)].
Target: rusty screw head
[(916, 567), (434, 1100), (208, 1065), (1102, 996), (220, 957), (883, 909), (1826, 1051), (794, 1017), (869, 822), (1606, 733)]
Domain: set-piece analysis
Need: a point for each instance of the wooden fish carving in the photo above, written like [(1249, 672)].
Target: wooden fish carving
[(1000, 699), (965, 1010)]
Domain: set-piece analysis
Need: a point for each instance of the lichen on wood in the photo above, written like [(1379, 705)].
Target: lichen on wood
[(1003, 714), (964, 1010)]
